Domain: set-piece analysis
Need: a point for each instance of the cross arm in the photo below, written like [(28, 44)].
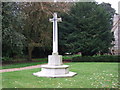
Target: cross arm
[(51, 20), (59, 20)]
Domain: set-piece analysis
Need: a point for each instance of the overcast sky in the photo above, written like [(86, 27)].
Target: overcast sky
[(114, 3)]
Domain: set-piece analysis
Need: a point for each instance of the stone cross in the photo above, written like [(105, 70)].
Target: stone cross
[(55, 67), (55, 32)]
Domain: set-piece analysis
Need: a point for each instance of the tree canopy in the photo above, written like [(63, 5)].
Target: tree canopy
[(86, 29), (28, 21), (12, 40)]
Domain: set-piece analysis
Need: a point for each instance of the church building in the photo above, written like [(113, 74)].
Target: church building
[(116, 30)]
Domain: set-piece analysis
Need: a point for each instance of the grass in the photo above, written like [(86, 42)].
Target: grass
[(18, 65), (89, 75), (42, 61)]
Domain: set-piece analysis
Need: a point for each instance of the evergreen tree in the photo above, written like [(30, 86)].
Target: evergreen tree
[(108, 8), (86, 28)]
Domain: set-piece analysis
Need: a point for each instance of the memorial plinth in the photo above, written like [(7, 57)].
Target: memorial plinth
[(55, 67)]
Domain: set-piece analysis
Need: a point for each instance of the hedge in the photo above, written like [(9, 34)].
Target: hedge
[(96, 59)]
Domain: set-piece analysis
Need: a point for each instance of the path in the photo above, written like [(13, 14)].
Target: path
[(18, 69), (28, 67)]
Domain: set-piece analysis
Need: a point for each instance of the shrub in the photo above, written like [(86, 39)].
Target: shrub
[(4, 59), (96, 59)]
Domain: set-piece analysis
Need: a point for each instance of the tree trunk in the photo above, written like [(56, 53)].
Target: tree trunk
[(101, 53), (30, 49), (87, 54)]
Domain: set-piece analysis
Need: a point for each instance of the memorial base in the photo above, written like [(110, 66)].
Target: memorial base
[(55, 69)]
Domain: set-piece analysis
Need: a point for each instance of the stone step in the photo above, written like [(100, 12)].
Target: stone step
[(55, 67)]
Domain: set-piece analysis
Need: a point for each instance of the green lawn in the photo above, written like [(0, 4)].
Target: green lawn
[(89, 75), (41, 61), (18, 65)]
